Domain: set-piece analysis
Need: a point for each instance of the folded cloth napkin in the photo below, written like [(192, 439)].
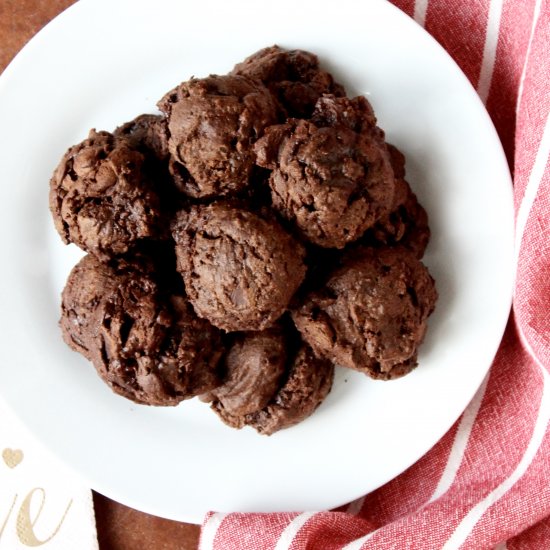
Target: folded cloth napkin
[(41, 503), (486, 484)]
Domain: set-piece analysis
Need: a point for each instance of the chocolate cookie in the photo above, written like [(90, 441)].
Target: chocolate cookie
[(252, 374), (146, 133), (271, 383), (354, 113), (371, 314), (240, 270), (147, 345), (82, 290), (294, 77), (330, 178), (100, 198), (309, 382), (212, 124), (407, 223)]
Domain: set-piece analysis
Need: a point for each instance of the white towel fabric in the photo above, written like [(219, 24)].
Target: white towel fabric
[(41, 503)]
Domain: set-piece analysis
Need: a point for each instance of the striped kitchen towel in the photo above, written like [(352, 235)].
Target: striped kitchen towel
[(486, 483)]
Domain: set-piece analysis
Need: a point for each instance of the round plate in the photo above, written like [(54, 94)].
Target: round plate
[(101, 63)]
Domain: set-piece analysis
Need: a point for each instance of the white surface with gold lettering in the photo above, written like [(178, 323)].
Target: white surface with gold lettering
[(41, 503)]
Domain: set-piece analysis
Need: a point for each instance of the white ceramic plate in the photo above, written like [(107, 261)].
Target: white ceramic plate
[(101, 63)]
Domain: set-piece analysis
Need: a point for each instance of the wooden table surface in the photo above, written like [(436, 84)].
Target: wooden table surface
[(118, 527)]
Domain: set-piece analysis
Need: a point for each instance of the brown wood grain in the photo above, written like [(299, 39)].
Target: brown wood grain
[(119, 527), (122, 528)]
